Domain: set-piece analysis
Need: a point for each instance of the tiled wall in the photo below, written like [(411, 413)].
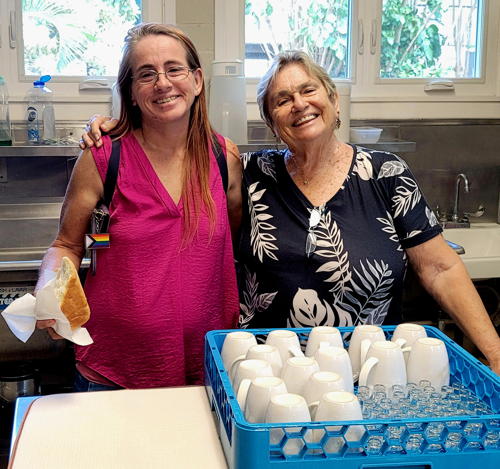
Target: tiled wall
[(446, 148)]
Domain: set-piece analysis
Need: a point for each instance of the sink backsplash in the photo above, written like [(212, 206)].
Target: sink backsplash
[(441, 150), (445, 148)]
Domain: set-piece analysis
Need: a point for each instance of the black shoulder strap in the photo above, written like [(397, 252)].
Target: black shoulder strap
[(112, 173), (221, 161)]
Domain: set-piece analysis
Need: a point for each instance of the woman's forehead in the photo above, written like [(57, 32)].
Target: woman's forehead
[(158, 49), (290, 79)]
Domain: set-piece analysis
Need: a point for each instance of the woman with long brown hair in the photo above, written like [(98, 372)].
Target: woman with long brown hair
[(168, 276)]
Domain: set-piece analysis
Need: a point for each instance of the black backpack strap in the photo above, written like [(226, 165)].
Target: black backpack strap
[(221, 161), (112, 172)]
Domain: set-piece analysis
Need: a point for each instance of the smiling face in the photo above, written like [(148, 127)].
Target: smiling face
[(163, 101), (300, 108)]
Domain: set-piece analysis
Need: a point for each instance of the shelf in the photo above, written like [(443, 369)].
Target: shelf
[(393, 146)]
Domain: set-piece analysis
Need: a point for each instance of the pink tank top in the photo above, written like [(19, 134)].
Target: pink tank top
[(151, 302)]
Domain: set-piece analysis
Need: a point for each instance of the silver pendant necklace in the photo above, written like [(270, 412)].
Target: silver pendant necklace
[(298, 170)]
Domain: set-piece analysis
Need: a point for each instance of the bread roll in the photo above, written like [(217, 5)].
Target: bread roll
[(69, 292)]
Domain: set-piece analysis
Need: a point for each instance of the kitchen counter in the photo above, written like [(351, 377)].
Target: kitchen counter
[(20, 150), (126, 429), (72, 150)]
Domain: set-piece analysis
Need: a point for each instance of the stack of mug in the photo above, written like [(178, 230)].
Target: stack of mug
[(277, 382)]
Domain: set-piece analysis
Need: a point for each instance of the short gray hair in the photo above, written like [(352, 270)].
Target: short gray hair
[(280, 61)]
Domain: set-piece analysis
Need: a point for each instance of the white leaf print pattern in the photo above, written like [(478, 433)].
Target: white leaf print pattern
[(366, 299), (433, 221), (389, 228), (260, 240), (391, 168), (331, 246), (363, 166), (414, 233), (407, 196), (310, 311), (266, 165), (253, 302), (245, 158), (377, 315), (373, 292)]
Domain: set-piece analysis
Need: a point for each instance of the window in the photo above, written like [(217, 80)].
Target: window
[(425, 39), (73, 41), (419, 38), (319, 27), (392, 52), (71, 38)]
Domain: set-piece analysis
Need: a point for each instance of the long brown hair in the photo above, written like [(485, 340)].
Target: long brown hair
[(197, 162)]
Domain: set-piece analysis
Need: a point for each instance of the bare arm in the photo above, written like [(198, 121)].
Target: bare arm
[(444, 276), (234, 188), (84, 190)]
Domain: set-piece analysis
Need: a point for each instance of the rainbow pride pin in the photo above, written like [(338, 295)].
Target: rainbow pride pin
[(97, 241)]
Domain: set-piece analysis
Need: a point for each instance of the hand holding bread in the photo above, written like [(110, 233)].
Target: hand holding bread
[(60, 307), (70, 294)]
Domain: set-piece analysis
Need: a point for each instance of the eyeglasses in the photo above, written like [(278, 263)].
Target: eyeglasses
[(311, 241), (148, 77)]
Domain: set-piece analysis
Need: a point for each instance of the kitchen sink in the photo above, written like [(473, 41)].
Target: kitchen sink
[(482, 248)]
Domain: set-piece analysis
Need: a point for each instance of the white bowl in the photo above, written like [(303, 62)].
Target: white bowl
[(365, 134)]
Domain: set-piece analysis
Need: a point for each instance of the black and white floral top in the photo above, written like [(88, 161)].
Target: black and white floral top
[(355, 272)]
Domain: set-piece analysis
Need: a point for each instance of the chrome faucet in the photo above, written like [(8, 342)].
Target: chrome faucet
[(460, 177)]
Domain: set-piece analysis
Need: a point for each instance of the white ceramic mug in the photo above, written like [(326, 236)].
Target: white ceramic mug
[(384, 364), (254, 396), (338, 406), (361, 339), (336, 359), (236, 344), (285, 408), (297, 371), (320, 383), (326, 334), (406, 334), (428, 360), (268, 353), (286, 341), (250, 369)]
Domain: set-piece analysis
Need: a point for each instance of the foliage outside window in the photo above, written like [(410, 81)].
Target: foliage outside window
[(76, 38), (419, 38), (319, 27), (432, 38)]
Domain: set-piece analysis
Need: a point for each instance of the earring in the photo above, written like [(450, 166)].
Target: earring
[(337, 123)]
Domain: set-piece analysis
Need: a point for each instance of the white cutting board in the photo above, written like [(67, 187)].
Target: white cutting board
[(146, 429)]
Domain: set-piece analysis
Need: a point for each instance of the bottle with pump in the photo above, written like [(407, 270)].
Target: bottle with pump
[(5, 128), (40, 118)]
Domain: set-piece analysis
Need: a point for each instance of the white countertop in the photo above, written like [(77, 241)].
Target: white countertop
[(146, 429)]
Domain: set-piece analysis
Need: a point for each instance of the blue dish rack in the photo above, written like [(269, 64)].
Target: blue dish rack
[(247, 446)]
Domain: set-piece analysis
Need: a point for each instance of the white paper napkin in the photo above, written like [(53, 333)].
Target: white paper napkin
[(21, 316)]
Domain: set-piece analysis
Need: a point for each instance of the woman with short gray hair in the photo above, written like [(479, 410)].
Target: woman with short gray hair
[(328, 227)]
